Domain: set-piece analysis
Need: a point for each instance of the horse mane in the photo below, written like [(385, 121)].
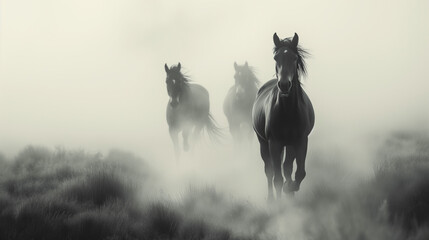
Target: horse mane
[(299, 51), (176, 70), (250, 72)]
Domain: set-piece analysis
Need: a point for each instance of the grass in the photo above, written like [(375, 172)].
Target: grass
[(60, 194), (402, 178), (75, 195), (67, 195), (393, 204)]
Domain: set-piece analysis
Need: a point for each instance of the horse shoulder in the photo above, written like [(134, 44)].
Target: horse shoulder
[(266, 86), (171, 115), (197, 103), (262, 108), (309, 113)]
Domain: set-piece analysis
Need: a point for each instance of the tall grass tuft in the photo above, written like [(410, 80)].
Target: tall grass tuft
[(98, 187), (402, 178)]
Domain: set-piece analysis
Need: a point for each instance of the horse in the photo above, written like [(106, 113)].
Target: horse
[(188, 109), (283, 117), (238, 103)]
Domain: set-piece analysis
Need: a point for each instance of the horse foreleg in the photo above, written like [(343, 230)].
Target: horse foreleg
[(276, 150), (288, 168), (301, 154), (174, 134), (265, 154), (185, 134)]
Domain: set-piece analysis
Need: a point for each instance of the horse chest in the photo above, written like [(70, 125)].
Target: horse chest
[(242, 108), (285, 126), (180, 114)]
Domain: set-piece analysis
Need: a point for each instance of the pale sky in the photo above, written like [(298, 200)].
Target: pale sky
[(90, 74)]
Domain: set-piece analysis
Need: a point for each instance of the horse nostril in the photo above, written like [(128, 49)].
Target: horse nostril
[(284, 86)]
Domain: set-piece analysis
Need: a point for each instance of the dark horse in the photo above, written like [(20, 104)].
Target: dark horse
[(283, 117), (188, 110), (238, 103)]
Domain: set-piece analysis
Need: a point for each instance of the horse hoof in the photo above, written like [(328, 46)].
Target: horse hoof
[(290, 194), (290, 187), (295, 187)]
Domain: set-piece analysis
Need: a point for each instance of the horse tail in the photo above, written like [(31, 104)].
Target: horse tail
[(213, 130)]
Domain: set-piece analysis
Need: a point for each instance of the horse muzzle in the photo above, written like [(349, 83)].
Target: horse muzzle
[(174, 102), (282, 91)]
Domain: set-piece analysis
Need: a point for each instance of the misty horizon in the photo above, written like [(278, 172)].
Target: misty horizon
[(90, 75)]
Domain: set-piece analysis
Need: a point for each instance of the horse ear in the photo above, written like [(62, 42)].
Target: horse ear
[(245, 64), (166, 68), (295, 40), (276, 40), (179, 66), (235, 65)]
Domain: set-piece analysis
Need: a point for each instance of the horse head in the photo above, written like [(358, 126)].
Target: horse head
[(244, 80), (175, 83), (289, 62)]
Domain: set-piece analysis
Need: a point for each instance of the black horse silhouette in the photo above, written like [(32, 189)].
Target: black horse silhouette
[(188, 110), (238, 103), (283, 117)]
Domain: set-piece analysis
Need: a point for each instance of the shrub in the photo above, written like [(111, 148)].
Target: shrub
[(162, 222), (98, 187)]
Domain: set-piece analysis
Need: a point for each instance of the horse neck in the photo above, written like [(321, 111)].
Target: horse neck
[(250, 86), (185, 91), (249, 95)]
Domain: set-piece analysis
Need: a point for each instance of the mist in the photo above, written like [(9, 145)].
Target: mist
[(90, 75)]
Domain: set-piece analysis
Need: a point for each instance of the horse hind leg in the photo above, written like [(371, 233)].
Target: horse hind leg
[(185, 134), (269, 173), (301, 154), (196, 134)]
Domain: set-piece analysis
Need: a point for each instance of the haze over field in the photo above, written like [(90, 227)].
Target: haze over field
[(80, 78), (90, 75)]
